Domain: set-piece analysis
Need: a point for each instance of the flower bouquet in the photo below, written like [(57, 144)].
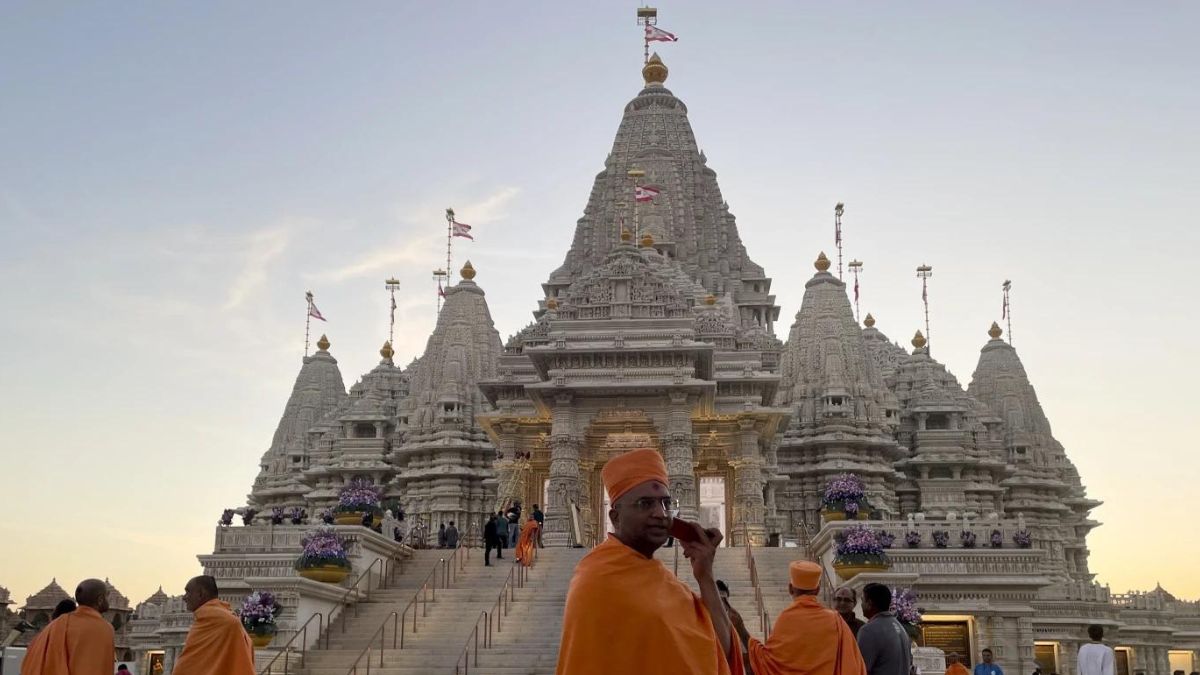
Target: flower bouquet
[(327, 516), (941, 538), (912, 539), (858, 551), (296, 515), (886, 539), (258, 613), (277, 515), (323, 557), (356, 499), (1023, 539), (248, 515), (904, 605), (967, 538), (844, 499), (226, 517), (997, 539)]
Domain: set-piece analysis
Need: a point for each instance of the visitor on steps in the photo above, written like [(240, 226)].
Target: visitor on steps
[(955, 667), (525, 544), (217, 644), (739, 626), (78, 642), (502, 527), (490, 541), (451, 536), (442, 535), (541, 521), (1095, 657), (807, 637), (844, 600), (885, 645), (987, 667), (514, 523), (626, 612)]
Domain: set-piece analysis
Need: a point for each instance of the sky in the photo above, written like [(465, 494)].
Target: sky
[(173, 178)]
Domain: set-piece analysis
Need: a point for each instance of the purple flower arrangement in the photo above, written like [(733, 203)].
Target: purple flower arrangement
[(226, 517), (360, 494), (997, 539), (277, 515), (859, 544), (967, 538), (845, 494), (886, 539), (904, 604), (941, 538), (296, 515), (1023, 539), (912, 539), (248, 515), (327, 516), (322, 547), (258, 611)]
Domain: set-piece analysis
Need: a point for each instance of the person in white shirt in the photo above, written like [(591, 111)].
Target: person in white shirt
[(1095, 657)]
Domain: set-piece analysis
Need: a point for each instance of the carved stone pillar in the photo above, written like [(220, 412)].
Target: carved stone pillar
[(749, 510), (564, 475), (677, 451)]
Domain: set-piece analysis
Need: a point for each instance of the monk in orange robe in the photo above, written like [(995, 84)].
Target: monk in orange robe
[(527, 541), (954, 666), (627, 613), (76, 643), (217, 644), (807, 639)]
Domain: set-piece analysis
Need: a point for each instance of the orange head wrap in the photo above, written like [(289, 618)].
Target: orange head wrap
[(805, 575), (624, 472)]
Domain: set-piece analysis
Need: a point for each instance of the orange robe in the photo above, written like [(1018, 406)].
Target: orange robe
[(807, 639), (217, 644), (627, 614), (527, 541), (79, 643), (957, 669)]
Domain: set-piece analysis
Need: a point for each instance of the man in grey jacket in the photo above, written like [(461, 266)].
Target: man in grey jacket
[(885, 646)]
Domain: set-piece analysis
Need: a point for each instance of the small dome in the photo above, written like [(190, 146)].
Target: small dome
[(995, 331), (552, 303), (626, 235), (710, 299), (467, 272), (647, 240), (919, 340), (386, 351), (822, 263), (869, 321), (655, 71), (323, 343)]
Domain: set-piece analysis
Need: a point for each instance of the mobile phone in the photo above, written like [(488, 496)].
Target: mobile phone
[(684, 530)]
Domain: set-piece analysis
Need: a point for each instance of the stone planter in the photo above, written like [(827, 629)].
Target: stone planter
[(354, 518), (261, 636), (831, 516), (848, 569), (329, 574)]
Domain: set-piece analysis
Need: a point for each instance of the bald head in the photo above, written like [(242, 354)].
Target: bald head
[(92, 593), (198, 591)]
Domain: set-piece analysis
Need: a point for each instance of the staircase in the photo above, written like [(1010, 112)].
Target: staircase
[(524, 641)]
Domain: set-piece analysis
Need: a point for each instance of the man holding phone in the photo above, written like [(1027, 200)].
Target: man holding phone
[(626, 612)]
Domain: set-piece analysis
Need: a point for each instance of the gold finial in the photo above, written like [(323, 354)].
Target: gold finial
[(323, 344), (647, 240), (635, 173), (918, 340), (552, 302), (710, 299), (626, 235), (869, 321), (822, 263), (655, 71), (386, 351), (995, 331), (467, 272)]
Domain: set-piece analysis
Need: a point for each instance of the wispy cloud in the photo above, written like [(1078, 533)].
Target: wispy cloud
[(264, 247)]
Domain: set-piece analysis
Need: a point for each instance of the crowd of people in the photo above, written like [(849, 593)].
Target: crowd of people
[(79, 641)]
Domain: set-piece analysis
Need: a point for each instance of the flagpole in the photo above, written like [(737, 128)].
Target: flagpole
[(438, 275), (855, 268), (449, 239), (391, 285), (924, 272), (1007, 286), (307, 319), (635, 176), (837, 233), (646, 17)]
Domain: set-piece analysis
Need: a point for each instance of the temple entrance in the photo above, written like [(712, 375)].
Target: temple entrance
[(712, 505)]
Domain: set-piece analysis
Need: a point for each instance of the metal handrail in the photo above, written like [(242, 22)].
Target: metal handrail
[(392, 616), (759, 604), (517, 576), (354, 588), (286, 649)]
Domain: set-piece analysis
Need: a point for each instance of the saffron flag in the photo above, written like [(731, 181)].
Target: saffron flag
[(441, 292), (1004, 309), (461, 230), (656, 34), (924, 293), (856, 288), (393, 303), (644, 194), (314, 312)]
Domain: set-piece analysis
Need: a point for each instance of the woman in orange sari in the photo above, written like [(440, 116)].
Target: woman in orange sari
[(527, 542)]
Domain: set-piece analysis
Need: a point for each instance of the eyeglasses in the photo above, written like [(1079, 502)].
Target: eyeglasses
[(669, 505)]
